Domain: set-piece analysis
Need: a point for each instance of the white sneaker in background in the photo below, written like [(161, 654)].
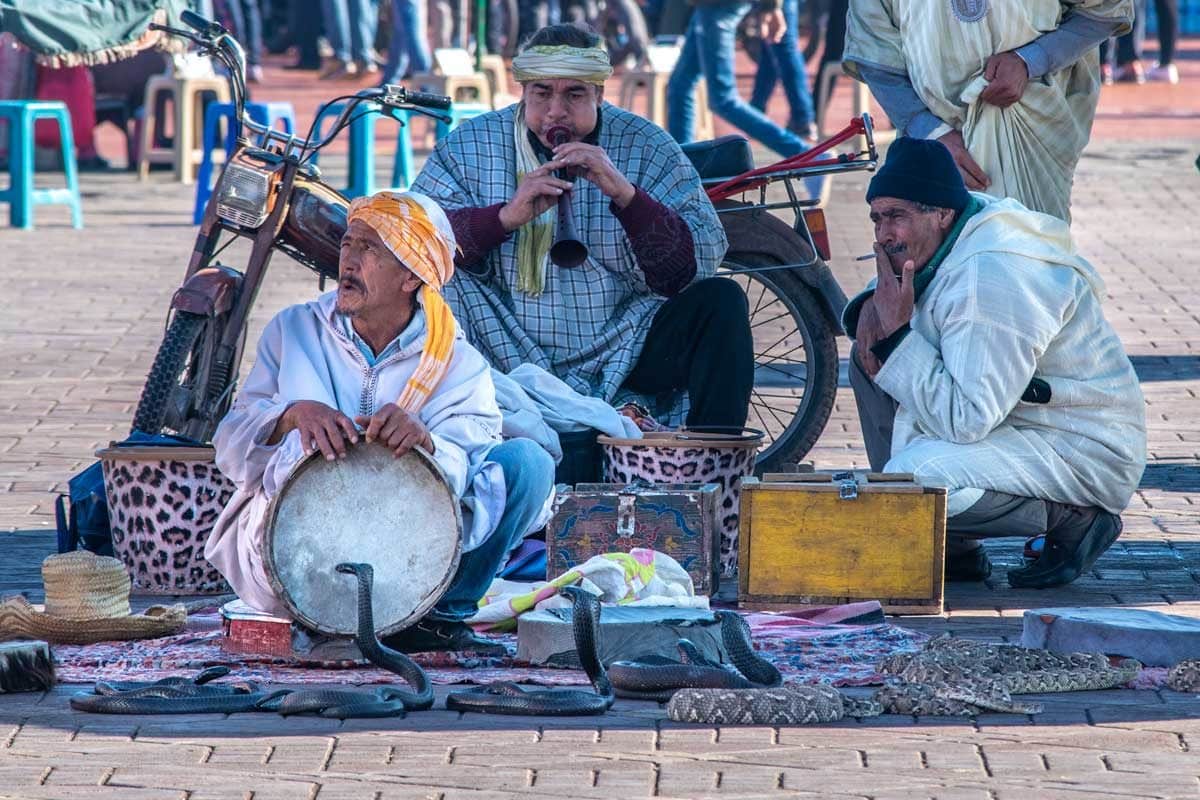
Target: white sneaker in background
[(1163, 74)]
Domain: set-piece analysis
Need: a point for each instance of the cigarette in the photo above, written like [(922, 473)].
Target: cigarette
[(866, 257)]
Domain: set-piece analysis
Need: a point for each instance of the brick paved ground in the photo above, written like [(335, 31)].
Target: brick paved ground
[(83, 313)]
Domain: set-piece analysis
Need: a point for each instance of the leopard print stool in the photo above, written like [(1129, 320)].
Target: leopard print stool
[(162, 504), (690, 457)]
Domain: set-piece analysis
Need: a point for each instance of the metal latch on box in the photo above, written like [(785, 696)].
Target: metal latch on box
[(626, 513), (847, 485)]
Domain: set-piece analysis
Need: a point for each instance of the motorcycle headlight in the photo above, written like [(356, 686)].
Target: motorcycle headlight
[(242, 196)]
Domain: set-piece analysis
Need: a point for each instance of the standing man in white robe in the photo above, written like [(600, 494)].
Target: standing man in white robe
[(1009, 86), (381, 358), (983, 362)]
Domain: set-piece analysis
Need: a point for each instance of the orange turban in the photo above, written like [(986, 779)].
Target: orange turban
[(418, 233)]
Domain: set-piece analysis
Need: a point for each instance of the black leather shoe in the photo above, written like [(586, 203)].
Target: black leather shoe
[(973, 565), (1066, 554), (430, 635)]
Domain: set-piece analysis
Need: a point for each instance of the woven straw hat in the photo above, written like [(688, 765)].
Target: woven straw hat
[(87, 600)]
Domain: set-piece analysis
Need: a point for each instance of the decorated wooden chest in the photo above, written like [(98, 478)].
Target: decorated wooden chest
[(836, 537), (680, 520)]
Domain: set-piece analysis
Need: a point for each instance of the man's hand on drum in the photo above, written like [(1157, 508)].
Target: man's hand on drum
[(538, 191), (321, 428), (591, 162), (396, 429)]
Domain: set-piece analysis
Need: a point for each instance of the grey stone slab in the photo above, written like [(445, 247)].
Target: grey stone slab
[(626, 633), (1152, 637)]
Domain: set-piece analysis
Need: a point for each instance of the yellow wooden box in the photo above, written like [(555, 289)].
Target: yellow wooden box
[(838, 537)]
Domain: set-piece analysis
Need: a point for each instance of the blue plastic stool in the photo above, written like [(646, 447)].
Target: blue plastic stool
[(362, 144), (20, 194), (459, 113), (262, 113)]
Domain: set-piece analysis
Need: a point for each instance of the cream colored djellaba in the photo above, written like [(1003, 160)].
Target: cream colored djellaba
[(1029, 149), (1012, 301)]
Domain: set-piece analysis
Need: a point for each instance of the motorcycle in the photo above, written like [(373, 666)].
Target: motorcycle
[(795, 301), (271, 193)]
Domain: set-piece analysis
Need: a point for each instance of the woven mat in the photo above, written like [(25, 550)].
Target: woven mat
[(807, 646)]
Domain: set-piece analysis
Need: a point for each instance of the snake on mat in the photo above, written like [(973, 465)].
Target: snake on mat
[(506, 697), (198, 695), (948, 677), (658, 678)]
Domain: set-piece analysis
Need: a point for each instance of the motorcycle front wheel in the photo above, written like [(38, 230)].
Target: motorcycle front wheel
[(179, 387), (795, 360)]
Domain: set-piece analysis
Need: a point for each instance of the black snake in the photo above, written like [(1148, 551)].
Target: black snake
[(658, 678), (508, 698), (199, 695)]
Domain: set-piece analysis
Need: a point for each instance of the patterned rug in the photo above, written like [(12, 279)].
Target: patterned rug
[(837, 645)]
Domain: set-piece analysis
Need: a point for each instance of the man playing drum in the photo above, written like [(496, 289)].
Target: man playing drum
[(643, 316), (381, 359)]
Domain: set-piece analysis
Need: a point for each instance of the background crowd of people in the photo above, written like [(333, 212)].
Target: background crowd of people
[(389, 41)]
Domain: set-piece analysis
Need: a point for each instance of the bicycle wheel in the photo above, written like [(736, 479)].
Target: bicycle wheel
[(795, 360)]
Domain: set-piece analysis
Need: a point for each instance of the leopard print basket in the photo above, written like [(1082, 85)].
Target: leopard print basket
[(162, 504), (702, 455)]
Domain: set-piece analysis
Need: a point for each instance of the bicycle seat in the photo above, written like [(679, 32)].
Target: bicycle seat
[(723, 157)]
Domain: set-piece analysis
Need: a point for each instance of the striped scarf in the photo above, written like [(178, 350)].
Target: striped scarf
[(534, 238), (416, 231)]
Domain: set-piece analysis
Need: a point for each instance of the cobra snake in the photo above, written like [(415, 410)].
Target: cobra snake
[(198, 695), (658, 678), (948, 677), (506, 697)]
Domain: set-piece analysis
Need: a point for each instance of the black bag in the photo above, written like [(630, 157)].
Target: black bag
[(85, 524)]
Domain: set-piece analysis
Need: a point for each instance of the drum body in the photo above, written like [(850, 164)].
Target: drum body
[(396, 514)]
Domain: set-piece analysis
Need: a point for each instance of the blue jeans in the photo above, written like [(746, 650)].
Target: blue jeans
[(247, 26), (350, 28), (783, 61), (408, 51), (528, 476), (708, 49)]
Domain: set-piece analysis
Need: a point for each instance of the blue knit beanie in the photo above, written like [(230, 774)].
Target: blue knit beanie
[(920, 170)]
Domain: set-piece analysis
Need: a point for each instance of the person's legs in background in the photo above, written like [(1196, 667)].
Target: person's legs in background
[(1129, 48), (408, 52), (306, 28), (1167, 16), (782, 60), (681, 86), (247, 27), (364, 19), (835, 44), (718, 39), (766, 75), (336, 15)]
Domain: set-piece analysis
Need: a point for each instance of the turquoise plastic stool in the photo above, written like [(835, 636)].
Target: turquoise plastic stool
[(459, 113), (362, 144), (263, 113), (20, 194)]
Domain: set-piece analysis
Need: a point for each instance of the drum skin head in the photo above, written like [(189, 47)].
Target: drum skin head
[(396, 514)]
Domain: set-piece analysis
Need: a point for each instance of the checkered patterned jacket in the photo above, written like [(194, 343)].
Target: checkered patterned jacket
[(589, 324)]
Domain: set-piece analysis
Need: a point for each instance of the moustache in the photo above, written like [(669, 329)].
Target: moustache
[(355, 283), (895, 249)]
